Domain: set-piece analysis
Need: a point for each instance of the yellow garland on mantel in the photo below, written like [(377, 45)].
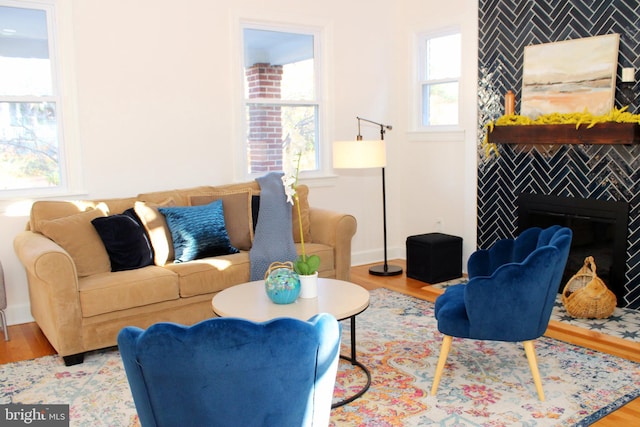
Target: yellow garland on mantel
[(615, 115)]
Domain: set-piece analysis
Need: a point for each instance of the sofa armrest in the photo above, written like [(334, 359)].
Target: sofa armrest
[(53, 290), (336, 230)]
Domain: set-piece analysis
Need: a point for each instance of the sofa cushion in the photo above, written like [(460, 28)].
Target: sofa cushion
[(237, 214), (119, 205), (326, 254), (76, 235), (198, 231), (251, 185), (208, 275), (156, 227), (110, 292), (126, 241), (303, 194), (45, 210), (179, 196)]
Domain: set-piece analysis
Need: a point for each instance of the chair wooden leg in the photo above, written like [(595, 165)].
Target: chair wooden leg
[(444, 352), (533, 365)]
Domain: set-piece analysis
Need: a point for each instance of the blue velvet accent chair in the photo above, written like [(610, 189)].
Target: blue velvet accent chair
[(511, 291), (233, 372)]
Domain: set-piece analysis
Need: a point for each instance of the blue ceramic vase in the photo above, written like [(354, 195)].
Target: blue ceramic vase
[(282, 286)]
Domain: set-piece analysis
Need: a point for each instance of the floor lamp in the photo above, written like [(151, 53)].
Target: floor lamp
[(360, 154)]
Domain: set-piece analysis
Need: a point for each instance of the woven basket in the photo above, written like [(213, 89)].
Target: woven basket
[(586, 296)]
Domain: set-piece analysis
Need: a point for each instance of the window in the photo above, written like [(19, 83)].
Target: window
[(30, 132), (282, 107), (439, 79)]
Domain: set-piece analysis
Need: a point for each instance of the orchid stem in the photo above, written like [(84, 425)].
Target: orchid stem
[(297, 199)]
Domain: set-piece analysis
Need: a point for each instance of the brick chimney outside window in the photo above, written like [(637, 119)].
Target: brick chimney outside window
[(265, 121)]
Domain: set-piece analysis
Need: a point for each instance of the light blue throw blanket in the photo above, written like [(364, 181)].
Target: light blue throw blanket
[(273, 238)]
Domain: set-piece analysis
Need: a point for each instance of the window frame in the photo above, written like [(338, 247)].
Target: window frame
[(420, 54), (320, 77), (60, 42)]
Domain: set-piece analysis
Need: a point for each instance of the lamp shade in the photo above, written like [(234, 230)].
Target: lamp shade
[(359, 154)]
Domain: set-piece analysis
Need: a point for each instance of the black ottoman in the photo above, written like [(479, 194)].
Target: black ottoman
[(434, 257)]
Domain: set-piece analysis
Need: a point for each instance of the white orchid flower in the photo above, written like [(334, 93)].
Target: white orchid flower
[(289, 183)]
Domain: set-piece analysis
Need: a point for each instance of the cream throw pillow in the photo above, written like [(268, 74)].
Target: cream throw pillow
[(76, 235), (157, 229)]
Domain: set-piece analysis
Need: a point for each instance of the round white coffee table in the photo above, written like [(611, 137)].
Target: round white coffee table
[(344, 300)]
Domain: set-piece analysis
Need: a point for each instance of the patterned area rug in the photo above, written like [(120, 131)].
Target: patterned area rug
[(485, 383)]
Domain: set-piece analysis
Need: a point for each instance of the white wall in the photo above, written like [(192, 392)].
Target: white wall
[(157, 106), (438, 171)]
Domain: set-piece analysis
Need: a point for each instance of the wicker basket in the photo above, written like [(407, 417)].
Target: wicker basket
[(586, 296)]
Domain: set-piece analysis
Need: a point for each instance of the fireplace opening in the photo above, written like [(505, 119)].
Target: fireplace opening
[(599, 229)]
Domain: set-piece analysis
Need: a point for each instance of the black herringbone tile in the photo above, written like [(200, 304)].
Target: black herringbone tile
[(586, 171)]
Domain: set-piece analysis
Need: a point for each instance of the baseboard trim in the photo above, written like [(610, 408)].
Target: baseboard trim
[(18, 314)]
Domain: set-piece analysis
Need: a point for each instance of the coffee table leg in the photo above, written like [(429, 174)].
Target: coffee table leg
[(354, 362), (353, 338)]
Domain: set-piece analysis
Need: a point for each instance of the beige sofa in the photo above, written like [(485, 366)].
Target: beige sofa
[(81, 305)]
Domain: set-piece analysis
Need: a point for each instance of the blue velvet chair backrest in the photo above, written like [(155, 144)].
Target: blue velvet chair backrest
[(513, 285), (229, 371), (484, 262)]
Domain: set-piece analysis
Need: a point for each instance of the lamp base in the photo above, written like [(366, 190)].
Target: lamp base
[(385, 270)]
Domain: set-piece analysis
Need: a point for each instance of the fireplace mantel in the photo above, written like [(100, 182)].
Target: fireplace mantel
[(601, 133)]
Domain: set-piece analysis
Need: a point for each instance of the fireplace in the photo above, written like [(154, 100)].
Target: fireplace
[(599, 229)]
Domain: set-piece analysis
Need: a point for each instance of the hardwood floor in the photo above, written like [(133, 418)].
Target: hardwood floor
[(28, 342)]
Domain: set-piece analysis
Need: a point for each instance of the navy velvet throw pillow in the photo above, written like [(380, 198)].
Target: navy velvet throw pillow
[(255, 210), (125, 240), (198, 231)]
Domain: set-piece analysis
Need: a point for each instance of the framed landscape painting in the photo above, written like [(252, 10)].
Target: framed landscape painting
[(570, 76)]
